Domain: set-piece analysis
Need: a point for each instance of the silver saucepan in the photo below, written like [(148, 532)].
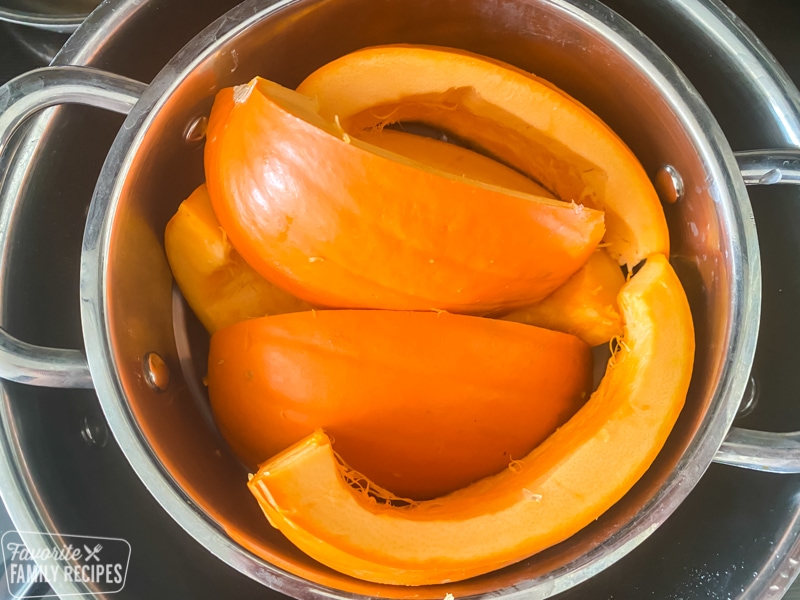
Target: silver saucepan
[(143, 349)]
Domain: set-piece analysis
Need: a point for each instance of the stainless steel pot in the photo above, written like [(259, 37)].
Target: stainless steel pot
[(129, 309)]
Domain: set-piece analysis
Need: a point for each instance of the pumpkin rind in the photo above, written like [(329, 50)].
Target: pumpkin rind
[(341, 223), (563, 485), (513, 115)]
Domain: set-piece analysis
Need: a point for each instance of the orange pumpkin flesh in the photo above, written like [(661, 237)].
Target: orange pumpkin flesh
[(222, 289), (453, 159), (421, 403), (339, 222), (559, 488), (218, 285), (511, 114), (585, 306)]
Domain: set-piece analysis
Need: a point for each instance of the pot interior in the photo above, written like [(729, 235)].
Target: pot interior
[(584, 49)]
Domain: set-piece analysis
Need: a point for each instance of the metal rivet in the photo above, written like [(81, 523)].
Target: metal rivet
[(196, 130), (669, 184), (94, 431), (156, 371), (749, 399), (771, 177)]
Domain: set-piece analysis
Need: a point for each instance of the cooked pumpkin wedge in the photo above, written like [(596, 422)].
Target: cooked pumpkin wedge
[(560, 487), (339, 222), (585, 306), (222, 289), (452, 158), (525, 121), (421, 403), (218, 285)]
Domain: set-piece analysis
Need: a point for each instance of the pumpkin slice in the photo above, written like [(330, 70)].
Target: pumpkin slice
[(218, 285), (585, 306), (560, 487), (421, 403), (453, 159), (510, 114), (339, 222)]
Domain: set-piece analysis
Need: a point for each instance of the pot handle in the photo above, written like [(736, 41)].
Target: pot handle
[(20, 99), (768, 167), (761, 450)]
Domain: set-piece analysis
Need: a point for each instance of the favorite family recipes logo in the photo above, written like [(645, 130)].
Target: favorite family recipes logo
[(98, 563)]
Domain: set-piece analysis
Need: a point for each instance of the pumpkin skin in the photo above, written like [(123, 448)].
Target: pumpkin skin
[(218, 285), (585, 306), (525, 121), (421, 403), (560, 487), (338, 222)]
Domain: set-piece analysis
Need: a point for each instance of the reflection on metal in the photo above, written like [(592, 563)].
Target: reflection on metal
[(196, 131), (761, 451), (42, 45), (46, 367), (94, 431), (750, 398), (63, 16)]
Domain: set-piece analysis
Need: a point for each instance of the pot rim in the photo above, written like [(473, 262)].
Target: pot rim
[(49, 22), (745, 292)]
